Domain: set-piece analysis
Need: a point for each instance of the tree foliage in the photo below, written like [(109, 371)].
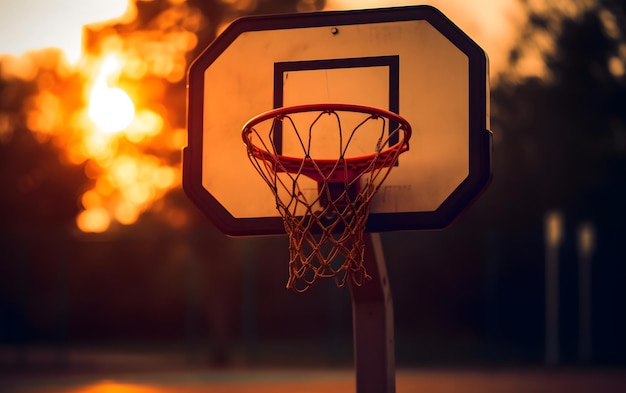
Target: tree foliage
[(562, 137)]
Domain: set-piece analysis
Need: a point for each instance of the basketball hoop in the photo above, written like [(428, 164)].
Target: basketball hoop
[(324, 195)]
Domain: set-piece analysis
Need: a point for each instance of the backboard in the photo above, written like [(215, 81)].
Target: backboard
[(412, 61)]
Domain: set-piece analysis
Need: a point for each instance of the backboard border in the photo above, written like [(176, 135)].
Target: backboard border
[(480, 144)]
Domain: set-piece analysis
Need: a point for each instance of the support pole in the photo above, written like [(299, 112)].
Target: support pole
[(552, 306), (372, 319), (586, 245), (553, 240)]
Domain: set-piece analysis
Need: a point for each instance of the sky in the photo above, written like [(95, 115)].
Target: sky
[(37, 24)]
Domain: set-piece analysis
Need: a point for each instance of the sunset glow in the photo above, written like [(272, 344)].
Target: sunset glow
[(116, 387), (110, 108), (93, 220), (123, 132)]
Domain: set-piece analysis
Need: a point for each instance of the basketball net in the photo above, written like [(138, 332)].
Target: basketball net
[(324, 202)]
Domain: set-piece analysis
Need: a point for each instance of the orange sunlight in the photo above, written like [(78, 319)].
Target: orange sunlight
[(114, 387), (124, 133), (107, 112), (110, 108)]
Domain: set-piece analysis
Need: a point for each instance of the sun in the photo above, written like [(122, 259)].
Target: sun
[(110, 108)]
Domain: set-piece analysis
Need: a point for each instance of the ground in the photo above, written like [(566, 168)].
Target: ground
[(153, 372)]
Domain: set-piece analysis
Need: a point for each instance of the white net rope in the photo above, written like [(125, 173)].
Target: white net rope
[(325, 223)]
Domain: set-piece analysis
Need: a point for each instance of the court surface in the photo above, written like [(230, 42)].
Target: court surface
[(324, 381)]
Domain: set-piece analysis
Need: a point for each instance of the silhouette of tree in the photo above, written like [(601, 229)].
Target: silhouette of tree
[(40, 190), (561, 144), (558, 133)]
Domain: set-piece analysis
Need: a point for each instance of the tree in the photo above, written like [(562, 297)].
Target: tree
[(557, 132), (41, 189), (561, 144)]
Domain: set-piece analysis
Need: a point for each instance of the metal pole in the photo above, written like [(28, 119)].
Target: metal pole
[(585, 250), (553, 239), (372, 319), (552, 306)]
